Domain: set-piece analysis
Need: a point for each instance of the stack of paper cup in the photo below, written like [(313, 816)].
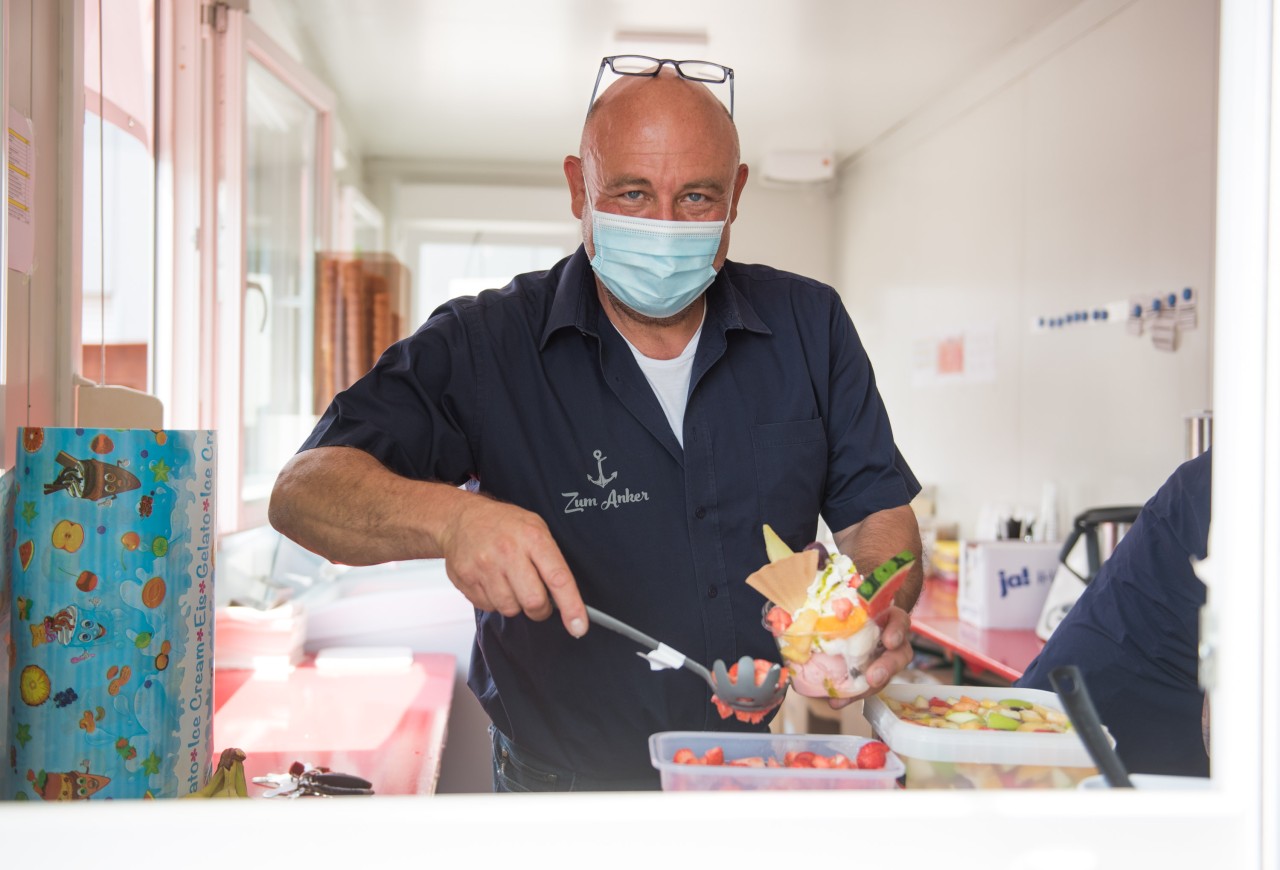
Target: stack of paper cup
[(111, 687)]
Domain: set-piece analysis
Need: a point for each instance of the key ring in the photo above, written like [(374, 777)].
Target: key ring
[(304, 780)]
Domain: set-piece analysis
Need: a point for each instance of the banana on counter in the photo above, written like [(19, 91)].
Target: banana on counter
[(227, 780)]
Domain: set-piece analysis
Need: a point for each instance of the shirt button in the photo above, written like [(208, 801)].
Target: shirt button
[(712, 592), (700, 512)]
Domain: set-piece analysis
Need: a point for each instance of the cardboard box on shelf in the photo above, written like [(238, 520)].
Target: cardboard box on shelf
[(1003, 584)]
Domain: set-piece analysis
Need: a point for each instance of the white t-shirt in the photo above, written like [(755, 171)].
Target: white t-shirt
[(669, 379)]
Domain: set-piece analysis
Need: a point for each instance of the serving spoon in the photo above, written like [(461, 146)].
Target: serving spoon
[(742, 694)]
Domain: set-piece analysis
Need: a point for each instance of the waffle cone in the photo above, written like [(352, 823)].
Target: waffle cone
[(785, 582)]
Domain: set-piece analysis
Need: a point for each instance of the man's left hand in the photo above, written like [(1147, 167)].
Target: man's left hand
[(896, 654)]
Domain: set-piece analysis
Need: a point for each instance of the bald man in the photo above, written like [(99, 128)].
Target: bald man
[(617, 430)]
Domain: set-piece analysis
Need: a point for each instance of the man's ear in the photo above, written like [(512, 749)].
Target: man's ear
[(577, 185), (739, 183)]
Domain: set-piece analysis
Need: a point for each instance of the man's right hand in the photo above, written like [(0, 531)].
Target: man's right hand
[(343, 504), (503, 558)]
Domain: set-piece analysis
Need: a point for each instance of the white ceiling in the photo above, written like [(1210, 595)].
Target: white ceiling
[(509, 80)]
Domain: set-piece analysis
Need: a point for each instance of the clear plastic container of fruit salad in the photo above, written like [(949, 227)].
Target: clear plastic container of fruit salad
[(979, 736)]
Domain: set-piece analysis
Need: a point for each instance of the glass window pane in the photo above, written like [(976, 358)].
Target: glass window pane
[(118, 198), (464, 268), (280, 241)]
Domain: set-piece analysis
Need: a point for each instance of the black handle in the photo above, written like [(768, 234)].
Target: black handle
[(1087, 524), (334, 784), (1117, 514), (1068, 682), (341, 780)]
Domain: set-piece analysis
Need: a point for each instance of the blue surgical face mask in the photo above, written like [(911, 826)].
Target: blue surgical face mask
[(657, 268)]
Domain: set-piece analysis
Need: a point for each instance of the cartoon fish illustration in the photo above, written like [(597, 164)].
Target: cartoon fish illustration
[(70, 786), (92, 479), (70, 627)]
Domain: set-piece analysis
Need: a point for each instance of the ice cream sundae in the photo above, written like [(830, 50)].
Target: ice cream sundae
[(822, 612)]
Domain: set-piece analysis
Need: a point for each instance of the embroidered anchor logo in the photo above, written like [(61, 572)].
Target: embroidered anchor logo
[(600, 481)]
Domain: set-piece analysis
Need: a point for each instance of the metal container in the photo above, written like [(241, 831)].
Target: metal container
[(1097, 531), (1199, 433)]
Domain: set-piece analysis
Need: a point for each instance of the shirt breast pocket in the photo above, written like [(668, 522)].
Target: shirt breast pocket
[(791, 474)]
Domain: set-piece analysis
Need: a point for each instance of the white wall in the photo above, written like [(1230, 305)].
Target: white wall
[(786, 227), (789, 228), (1074, 172)]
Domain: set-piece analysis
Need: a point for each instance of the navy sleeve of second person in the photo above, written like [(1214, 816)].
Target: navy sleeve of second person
[(1135, 630)]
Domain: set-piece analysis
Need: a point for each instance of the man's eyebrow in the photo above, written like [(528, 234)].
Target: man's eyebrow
[(705, 184), (640, 181), (629, 181)]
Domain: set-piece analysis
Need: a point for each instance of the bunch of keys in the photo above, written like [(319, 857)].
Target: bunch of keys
[(303, 780)]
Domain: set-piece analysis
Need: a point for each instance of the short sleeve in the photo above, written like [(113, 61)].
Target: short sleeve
[(412, 410)]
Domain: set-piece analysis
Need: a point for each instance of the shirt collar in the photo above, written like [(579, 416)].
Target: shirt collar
[(576, 305)]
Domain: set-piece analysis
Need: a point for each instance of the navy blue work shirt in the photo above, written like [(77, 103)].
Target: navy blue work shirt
[(1135, 630), (531, 394)]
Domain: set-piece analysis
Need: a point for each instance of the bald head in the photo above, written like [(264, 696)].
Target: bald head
[(639, 103)]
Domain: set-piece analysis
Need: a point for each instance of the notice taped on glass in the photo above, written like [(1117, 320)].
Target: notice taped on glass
[(22, 178)]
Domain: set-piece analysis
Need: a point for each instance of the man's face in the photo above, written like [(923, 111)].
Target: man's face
[(662, 149)]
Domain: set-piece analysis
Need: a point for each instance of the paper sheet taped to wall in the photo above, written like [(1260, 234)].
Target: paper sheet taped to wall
[(963, 356), (22, 188)]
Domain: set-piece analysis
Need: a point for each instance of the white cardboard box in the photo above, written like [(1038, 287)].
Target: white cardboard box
[(1003, 584)]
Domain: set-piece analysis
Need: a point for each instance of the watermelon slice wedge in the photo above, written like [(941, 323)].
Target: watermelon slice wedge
[(878, 588)]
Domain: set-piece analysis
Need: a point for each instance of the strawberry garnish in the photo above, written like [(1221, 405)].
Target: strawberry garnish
[(872, 755)]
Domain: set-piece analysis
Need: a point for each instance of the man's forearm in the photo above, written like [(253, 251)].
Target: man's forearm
[(344, 505), (882, 536)]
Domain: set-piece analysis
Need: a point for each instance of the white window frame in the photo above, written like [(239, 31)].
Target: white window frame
[(1233, 825), (238, 40), (184, 343)]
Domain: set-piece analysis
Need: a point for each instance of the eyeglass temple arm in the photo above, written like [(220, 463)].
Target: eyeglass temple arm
[(599, 75)]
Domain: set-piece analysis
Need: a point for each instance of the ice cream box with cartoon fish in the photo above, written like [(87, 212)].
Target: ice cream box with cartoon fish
[(111, 618)]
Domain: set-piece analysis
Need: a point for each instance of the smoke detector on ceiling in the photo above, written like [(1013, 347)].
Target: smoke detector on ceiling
[(799, 166)]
